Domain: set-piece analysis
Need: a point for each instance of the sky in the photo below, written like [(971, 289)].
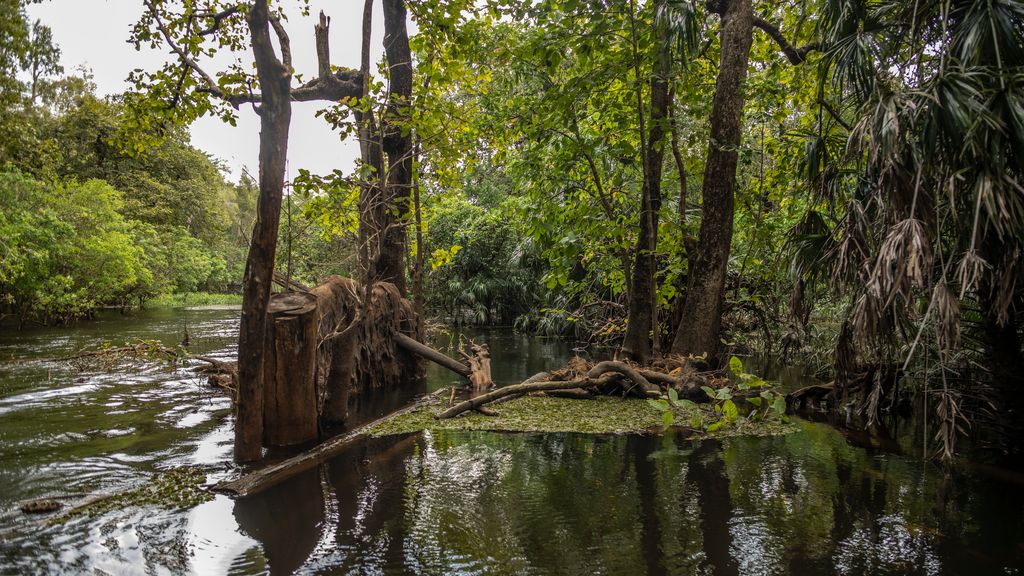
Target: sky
[(94, 34)]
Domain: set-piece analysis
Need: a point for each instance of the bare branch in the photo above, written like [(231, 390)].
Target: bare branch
[(285, 41), (835, 114), (794, 54), (323, 47)]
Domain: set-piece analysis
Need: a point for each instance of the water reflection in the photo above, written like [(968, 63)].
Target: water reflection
[(825, 500), (483, 503)]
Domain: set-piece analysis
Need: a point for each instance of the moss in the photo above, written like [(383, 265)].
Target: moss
[(600, 415), (176, 488)]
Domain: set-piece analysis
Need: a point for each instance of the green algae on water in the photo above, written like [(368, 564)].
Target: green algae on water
[(175, 488), (598, 415)]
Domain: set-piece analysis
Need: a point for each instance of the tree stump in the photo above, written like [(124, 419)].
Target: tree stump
[(289, 370)]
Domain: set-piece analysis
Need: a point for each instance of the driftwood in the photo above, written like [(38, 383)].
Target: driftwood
[(263, 478), (815, 392), (434, 356), (515, 390), (480, 367), (639, 381)]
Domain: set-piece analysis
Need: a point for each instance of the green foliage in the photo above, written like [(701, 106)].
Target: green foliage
[(724, 410), (85, 225)]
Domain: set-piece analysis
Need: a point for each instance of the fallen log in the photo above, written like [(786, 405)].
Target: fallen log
[(515, 390), (263, 478), (816, 392), (625, 369), (572, 393), (434, 356)]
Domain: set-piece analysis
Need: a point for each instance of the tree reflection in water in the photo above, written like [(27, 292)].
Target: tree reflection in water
[(483, 503)]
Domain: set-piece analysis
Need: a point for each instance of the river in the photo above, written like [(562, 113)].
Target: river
[(824, 500)]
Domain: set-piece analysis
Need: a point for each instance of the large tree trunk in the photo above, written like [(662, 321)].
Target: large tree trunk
[(389, 265), (698, 330), (275, 119), (643, 303)]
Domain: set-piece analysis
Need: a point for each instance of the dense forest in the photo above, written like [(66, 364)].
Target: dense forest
[(836, 181)]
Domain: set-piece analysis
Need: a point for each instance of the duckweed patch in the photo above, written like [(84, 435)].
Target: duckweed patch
[(599, 415), (176, 488)]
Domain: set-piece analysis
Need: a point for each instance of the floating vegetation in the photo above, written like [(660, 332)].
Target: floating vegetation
[(599, 415), (176, 488), (108, 357)]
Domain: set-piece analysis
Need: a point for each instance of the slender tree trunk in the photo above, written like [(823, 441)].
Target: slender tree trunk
[(397, 144), (698, 330), (371, 203), (417, 273), (643, 303), (275, 119)]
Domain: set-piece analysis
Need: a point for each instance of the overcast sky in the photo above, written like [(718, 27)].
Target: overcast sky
[(94, 33)]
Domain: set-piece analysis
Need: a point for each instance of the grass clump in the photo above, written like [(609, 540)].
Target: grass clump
[(186, 299)]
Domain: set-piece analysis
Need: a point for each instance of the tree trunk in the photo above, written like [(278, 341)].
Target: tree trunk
[(275, 119), (643, 303), (289, 370), (397, 144), (698, 330)]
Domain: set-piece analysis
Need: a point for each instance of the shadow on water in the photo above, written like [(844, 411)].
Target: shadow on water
[(823, 500)]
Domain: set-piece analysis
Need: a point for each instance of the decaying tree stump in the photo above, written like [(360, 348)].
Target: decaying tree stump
[(289, 370), (479, 367), (325, 348)]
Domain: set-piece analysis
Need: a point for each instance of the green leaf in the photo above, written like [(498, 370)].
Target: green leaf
[(658, 404), (735, 366), (667, 418), (709, 391), (724, 393), (715, 426), (754, 401), (730, 410), (697, 421), (779, 405), (673, 396)]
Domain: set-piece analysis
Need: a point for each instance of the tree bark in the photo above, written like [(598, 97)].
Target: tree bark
[(397, 144), (698, 330), (643, 304), (275, 119), (434, 356), (290, 370)]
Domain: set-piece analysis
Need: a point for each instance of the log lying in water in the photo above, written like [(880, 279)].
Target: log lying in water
[(515, 390), (263, 478), (434, 356), (599, 375)]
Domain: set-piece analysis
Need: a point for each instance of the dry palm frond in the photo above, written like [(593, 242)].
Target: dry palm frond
[(903, 260), (952, 422), (970, 271), (947, 317)]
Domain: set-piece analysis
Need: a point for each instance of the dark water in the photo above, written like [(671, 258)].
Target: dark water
[(819, 501)]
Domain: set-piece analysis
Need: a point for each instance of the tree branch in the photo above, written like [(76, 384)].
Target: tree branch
[(211, 85), (323, 47), (794, 54), (834, 113), (282, 37), (217, 17)]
